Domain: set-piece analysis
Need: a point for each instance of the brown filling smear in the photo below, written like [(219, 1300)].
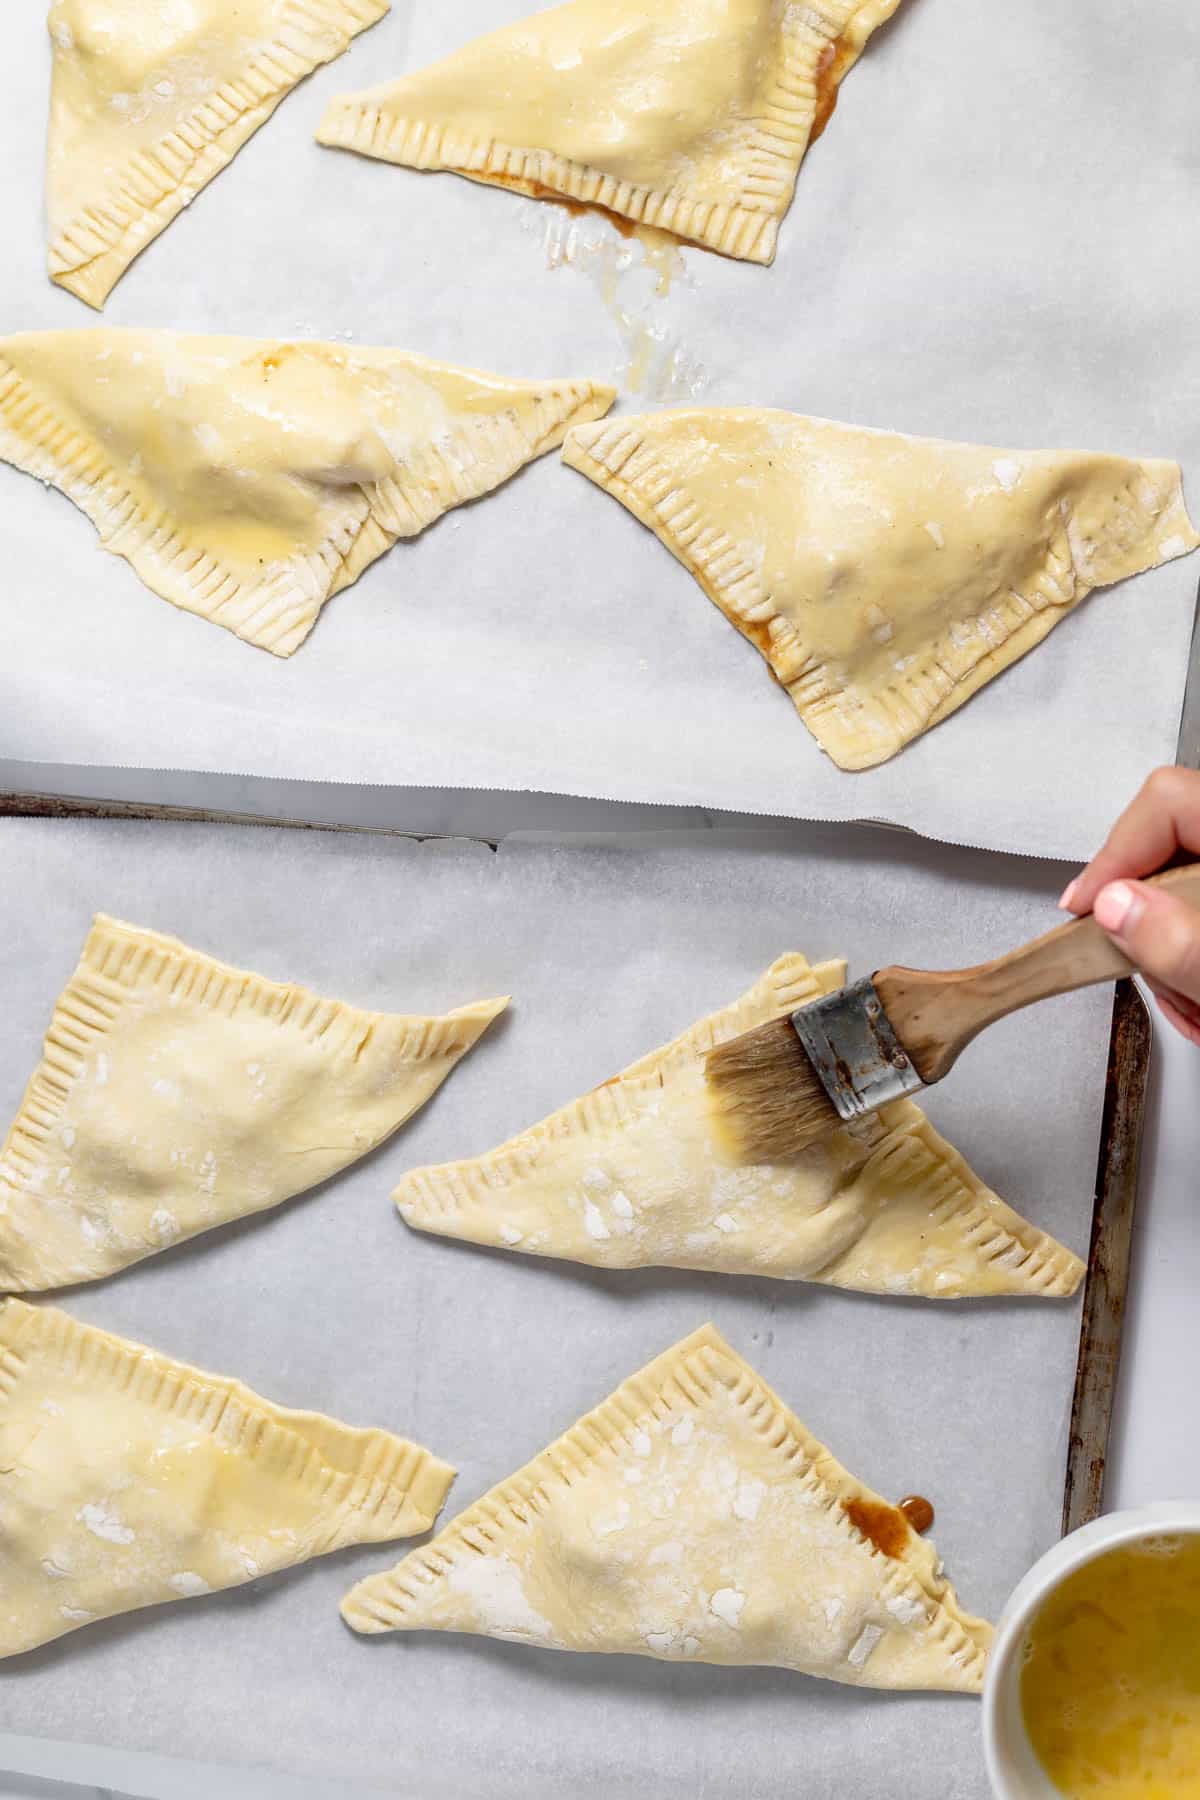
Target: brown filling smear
[(888, 1527), (628, 228), (759, 634), (917, 1510), (834, 61), (537, 190)]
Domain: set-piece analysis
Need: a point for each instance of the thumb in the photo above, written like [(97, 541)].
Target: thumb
[(1158, 933)]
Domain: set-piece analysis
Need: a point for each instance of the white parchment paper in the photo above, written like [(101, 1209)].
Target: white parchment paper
[(331, 1302), (994, 241)]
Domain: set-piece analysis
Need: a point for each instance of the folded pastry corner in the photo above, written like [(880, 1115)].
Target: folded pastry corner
[(176, 1093), (689, 115), (249, 481), (633, 1175), (148, 103), (884, 578), (691, 1517), (128, 1479)]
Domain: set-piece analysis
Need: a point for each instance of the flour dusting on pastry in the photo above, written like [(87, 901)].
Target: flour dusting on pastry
[(884, 578), (176, 1093), (129, 1480), (737, 1544), (149, 101), (633, 1174)]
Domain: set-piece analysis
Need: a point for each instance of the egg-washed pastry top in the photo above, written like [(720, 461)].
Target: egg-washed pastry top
[(689, 115), (884, 578), (150, 99), (249, 480)]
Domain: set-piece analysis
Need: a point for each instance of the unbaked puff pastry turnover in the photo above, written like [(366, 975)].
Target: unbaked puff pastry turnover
[(692, 116), (884, 578), (633, 1175), (127, 1479), (176, 1093), (149, 101), (692, 1518), (249, 481)]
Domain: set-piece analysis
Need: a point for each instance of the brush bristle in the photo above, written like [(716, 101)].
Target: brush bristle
[(767, 1099)]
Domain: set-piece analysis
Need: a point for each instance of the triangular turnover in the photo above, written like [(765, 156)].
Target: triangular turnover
[(128, 1479), (691, 116), (176, 1093), (149, 102), (885, 578), (692, 1517), (250, 480), (634, 1174)]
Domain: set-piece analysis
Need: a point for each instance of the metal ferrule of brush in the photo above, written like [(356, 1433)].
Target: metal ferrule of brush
[(855, 1052)]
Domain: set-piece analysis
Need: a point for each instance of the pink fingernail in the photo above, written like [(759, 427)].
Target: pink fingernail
[(1117, 907), (1067, 896)]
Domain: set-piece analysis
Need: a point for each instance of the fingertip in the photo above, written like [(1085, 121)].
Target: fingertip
[(1117, 907), (1066, 900)]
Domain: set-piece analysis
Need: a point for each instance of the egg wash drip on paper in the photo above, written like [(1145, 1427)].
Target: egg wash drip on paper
[(632, 267)]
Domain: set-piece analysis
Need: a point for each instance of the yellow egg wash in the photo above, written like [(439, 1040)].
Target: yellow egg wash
[(1110, 1689)]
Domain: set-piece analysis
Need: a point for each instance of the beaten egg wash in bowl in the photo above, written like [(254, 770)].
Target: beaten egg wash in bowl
[(1094, 1688)]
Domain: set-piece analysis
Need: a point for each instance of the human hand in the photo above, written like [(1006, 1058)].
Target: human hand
[(1159, 934)]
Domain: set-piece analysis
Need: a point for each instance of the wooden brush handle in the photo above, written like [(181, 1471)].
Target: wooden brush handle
[(935, 1015)]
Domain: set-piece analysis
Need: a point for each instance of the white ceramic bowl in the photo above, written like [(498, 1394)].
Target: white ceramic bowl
[(1013, 1770)]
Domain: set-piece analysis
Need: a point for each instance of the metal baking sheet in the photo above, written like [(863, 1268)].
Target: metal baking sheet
[(608, 948), (984, 245), (1131, 1037)]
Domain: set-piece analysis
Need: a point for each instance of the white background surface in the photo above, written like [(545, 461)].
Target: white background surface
[(991, 242)]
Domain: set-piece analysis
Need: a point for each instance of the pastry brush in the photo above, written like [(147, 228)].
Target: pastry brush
[(777, 1089)]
